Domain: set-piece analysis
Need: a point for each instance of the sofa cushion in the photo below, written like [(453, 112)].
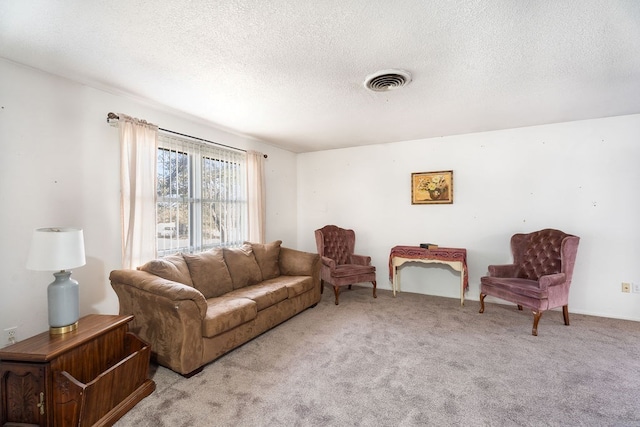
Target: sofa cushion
[(225, 313), (209, 273), (171, 267), (348, 270), (267, 256), (265, 294), (242, 266), (525, 287), (296, 285)]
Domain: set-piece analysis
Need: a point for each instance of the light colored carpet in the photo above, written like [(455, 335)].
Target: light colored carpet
[(413, 360)]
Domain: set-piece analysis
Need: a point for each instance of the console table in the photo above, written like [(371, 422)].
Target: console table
[(91, 376), (456, 258)]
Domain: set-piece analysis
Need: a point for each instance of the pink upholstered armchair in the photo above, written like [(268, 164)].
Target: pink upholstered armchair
[(540, 275), (340, 266)]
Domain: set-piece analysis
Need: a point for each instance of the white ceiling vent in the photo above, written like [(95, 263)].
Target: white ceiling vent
[(385, 80)]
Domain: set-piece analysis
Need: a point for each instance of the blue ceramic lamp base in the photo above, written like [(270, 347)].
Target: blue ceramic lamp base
[(64, 302)]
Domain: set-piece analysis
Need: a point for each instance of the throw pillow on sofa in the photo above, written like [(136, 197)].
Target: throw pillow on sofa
[(243, 266), (267, 256), (209, 273), (171, 267)]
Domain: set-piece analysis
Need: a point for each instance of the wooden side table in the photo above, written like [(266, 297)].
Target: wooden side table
[(91, 376), (455, 258)]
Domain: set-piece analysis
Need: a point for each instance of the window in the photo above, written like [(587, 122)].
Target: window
[(201, 198)]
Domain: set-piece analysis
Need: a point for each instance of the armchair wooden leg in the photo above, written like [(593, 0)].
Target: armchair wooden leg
[(482, 302), (536, 319), (336, 290), (519, 307), (374, 289), (321, 286), (565, 314)]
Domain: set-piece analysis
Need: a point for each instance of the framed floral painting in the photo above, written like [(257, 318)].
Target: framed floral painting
[(429, 188)]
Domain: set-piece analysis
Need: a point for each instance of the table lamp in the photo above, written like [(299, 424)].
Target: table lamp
[(59, 249)]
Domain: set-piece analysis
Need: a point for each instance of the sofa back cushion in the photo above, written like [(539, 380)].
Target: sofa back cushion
[(209, 273), (242, 266), (171, 267), (267, 256), (538, 254)]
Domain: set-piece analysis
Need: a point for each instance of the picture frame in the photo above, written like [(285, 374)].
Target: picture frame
[(432, 188)]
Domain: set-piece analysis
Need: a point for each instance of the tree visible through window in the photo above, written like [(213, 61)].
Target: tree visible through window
[(201, 199)]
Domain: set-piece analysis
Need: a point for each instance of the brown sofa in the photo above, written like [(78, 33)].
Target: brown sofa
[(193, 308)]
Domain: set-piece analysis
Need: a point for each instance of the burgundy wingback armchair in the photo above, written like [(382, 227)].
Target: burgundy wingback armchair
[(340, 266), (540, 275)]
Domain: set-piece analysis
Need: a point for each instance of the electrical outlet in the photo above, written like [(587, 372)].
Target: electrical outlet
[(626, 287), (11, 333), (635, 288)]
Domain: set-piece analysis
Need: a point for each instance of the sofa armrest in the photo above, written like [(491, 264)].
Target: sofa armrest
[(298, 263), (164, 288), (552, 280), (329, 263), (505, 270), (166, 314)]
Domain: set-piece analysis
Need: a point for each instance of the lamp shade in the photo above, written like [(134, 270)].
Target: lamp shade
[(56, 249)]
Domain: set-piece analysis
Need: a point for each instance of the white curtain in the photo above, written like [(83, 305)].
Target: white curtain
[(256, 197), (138, 151)]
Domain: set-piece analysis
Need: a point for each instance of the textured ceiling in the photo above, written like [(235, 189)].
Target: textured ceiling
[(291, 72)]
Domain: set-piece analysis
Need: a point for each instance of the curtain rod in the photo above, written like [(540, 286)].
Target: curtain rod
[(114, 116)]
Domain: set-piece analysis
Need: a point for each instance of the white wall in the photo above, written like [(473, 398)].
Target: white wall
[(60, 166), (580, 177)]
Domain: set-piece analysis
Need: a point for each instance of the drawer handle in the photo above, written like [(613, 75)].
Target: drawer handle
[(41, 404)]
